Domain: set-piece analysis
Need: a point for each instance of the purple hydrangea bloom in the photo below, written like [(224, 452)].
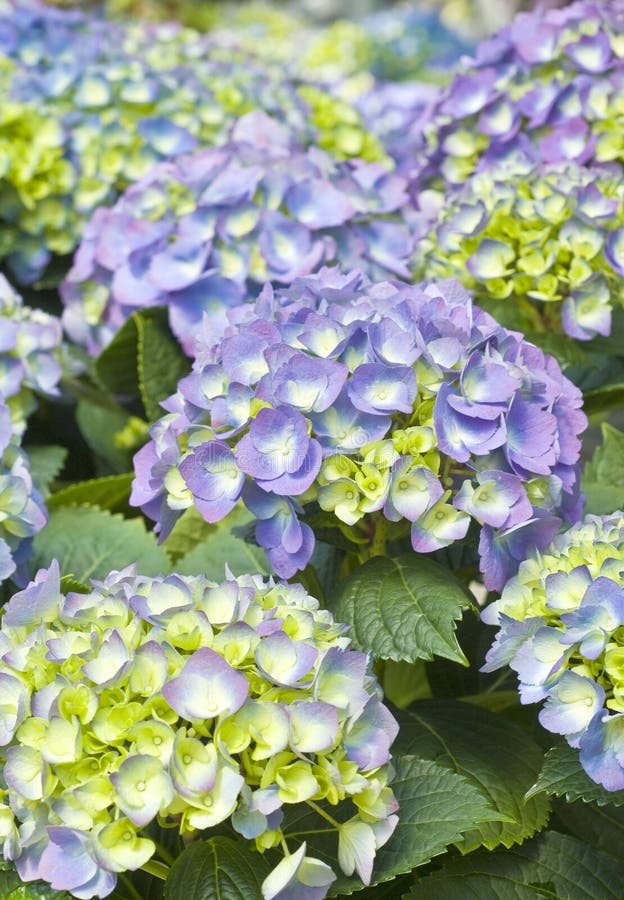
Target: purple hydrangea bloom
[(413, 405), (225, 686), (547, 83), (560, 624), (200, 235)]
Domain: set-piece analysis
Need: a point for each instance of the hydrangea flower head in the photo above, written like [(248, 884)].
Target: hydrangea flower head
[(102, 102), (549, 84), (561, 621), (187, 701), (546, 243), (201, 234), (30, 351), (390, 406), (22, 510)]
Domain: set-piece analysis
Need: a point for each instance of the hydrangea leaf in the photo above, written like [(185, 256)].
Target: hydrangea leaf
[(143, 359), (220, 546), (46, 463), (600, 826), (110, 492), (603, 478), (190, 530), (89, 542), (13, 888), (502, 764), (551, 865), (99, 426), (403, 608), (220, 868), (563, 776), (437, 807), (160, 361)]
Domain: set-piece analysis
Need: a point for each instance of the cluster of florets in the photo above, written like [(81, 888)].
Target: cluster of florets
[(30, 355), (561, 625), (201, 234), (551, 83), (30, 364), (35, 173), (396, 409), (22, 510), (547, 239), (105, 110), (396, 112), (189, 702), (408, 43)]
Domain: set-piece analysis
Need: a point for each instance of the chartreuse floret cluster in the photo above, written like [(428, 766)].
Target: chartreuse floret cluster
[(95, 104), (548, 241), (191, 702), (201, 235), (398, 410), (561, 623), (551, 83)]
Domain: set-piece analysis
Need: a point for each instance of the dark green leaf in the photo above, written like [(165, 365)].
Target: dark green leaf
[(436, 807), (563, 776), (496, 756), (403, 608), (600, 826), (603, 478), (218, 868), (45, 465), (143, 359), (110, 492), (160, 361), (551, 865), (117, 365), (90, 542)]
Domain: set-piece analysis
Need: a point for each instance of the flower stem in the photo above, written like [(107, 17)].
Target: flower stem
[(157, 869), (164, 854), (128, 886), (322, 813), (378, 543)]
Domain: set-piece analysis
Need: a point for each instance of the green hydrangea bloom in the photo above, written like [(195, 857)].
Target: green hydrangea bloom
[(541, 247)]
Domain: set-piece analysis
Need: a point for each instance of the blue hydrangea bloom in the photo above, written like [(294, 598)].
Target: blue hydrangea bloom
[(548, 84), (561, 628), (378, 401)]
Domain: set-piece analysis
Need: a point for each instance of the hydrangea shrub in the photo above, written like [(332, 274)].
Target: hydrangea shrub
[(188, 701), (561, 629), (391, 407), (202, 234)]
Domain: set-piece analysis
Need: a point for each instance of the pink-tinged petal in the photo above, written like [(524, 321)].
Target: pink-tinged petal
[(206, 687)]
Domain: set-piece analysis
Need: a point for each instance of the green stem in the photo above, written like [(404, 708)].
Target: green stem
[(129, 887), (322, 813), (164, 854), (378, 544), (157, 869)]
